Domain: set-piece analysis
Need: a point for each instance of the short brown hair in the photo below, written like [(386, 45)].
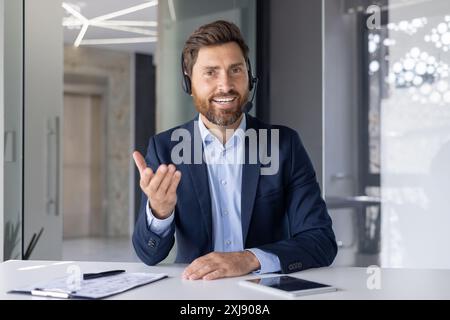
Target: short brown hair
[(215, 33)]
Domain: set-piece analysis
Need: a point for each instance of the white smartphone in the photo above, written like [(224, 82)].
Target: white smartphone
[(287, 286)]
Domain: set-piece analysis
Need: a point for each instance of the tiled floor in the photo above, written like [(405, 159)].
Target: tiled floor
[(102, 249)]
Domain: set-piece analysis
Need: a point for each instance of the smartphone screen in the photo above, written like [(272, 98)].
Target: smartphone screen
[(288, 283)]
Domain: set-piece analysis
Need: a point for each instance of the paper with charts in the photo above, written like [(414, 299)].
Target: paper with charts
[(95, 288)]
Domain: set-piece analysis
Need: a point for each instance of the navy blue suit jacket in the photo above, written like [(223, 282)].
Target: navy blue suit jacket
[(282, 213)]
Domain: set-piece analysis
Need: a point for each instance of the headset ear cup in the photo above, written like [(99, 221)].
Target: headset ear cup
[(187, 80), (251, 79), (187, 84), (183, 84)]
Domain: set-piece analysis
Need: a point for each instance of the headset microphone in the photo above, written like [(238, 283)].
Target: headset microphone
[(249, 105)]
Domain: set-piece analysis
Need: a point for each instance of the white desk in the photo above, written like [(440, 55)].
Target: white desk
[(351, 282)]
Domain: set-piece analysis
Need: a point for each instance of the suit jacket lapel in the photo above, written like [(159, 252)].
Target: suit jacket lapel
[(199, 178), (250, 179)]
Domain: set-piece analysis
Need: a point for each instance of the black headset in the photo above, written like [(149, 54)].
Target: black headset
[(252, 82)]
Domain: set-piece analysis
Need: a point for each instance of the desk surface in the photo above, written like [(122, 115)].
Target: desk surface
[(351, 282)]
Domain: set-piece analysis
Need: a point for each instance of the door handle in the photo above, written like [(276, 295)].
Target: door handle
[(10, 146), (53, 165)]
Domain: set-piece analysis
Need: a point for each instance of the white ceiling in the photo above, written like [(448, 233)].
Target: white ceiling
[(94, 8)]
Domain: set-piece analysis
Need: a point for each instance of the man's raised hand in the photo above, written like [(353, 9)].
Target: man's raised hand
[(160, 187)]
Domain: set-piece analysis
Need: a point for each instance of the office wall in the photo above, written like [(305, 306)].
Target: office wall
[(296, 72), (2, 117), (83, 163), (114, 68)]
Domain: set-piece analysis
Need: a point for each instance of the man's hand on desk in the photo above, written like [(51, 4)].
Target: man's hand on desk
[(160, 187), (217, 265)]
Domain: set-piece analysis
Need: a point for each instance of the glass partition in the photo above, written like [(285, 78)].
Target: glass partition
[(415, 135), (387, 129)]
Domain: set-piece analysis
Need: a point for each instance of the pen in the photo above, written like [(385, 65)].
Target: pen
[(88, 276), (53, 293)]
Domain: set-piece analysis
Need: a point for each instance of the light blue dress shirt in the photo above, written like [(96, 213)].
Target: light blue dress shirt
[(224, 165)]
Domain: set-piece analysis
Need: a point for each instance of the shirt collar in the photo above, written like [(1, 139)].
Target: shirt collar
[(208, 137)]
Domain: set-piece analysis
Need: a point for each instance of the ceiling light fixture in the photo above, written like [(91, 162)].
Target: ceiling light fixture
[(125, 11), (73, 22), (84, 22), (81, 35), (103, 21), (128, 23), (129, 29), (172, 13), (118, 40), (75, 13)]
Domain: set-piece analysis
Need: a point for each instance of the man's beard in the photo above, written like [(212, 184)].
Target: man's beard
[(219, 117)]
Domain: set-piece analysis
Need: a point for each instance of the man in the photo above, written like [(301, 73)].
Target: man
[(229, 218)]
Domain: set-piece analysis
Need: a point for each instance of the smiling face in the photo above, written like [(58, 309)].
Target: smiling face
[(220, 83)]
